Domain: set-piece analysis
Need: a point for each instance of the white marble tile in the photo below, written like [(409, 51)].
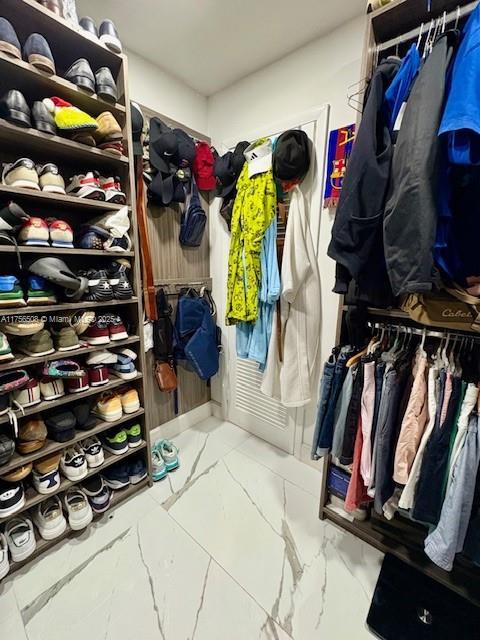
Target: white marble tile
[(156, 583), (283, 464), (11, 628), (256, 524), (35, 578), (199, 449)]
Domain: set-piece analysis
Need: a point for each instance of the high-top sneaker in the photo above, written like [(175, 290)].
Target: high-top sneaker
[(99, 287), (118, 280)]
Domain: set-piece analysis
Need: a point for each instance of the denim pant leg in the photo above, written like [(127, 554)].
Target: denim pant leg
[(325, 389), (341, 414), (326, 429)]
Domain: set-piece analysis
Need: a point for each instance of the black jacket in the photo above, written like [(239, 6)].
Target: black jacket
[(356, 242)]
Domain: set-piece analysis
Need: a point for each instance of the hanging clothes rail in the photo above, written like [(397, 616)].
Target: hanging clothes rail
[(423, 332), (453, 16)]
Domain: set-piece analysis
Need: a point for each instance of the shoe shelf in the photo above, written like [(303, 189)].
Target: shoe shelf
[(43, 143), (56, 251), (118, 497), (52, 309), (55, 28), (21, 361), (32, 497), (68, 398), (43, 199), (27, 79), (51, 446)]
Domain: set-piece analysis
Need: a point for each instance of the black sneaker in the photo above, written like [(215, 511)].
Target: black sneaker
[(99, 287), (119, 282), (12, 498)]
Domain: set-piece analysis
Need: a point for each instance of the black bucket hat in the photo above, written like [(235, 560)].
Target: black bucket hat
[(225, 175), (163, 146), (137, 128), (291, 158), (238, 159)]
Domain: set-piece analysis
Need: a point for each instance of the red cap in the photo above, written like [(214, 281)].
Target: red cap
[(203, 166)]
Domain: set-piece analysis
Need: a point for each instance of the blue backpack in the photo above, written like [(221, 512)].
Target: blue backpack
[(193, 220)]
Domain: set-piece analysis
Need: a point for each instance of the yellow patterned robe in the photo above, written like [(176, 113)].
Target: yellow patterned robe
[(253, 211)]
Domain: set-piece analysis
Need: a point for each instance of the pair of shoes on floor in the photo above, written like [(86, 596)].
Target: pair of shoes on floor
[(164, 459), (25, 174), (36, 50)]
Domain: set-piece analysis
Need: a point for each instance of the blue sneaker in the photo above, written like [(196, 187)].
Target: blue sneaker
[(159, 468), (137, 470), (169, 453), (117, 477), (39, 292), (124, 368), (11, 293)]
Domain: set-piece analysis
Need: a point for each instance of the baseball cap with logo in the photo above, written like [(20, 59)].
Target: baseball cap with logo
[(203, 167), (259, 156), (163, 146)]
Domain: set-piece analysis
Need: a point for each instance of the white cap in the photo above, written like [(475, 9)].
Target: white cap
[(259, 156)]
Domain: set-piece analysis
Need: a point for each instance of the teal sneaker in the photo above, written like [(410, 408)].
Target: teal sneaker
[(169, 453), (159, 468), (5, 351)]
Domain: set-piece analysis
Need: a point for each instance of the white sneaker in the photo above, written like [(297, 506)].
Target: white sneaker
[(20, 538), (73, 463), (92, 448), (113, 190), (86, 186), (49, 519), (78, 508), (102, 357), (4, 563), (52, 389), (46, 483)]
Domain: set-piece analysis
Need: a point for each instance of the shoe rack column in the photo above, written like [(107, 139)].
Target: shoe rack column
[(72, 159)]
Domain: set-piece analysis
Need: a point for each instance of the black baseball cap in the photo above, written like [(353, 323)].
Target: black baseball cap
[(225, 174), (291, 157), (137, 128), (163, 146), (238, 159)]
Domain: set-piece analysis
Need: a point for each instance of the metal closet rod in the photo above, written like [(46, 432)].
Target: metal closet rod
[(421, 332), (414, 33)]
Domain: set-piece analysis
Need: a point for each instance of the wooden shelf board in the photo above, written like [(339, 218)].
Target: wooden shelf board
[(52, 309), (33, 498), (22, 361), (68, 398), (46, 86), (60, 251), (32, 142), (44, 545), (457, 580), (40, 198), (52, 446)]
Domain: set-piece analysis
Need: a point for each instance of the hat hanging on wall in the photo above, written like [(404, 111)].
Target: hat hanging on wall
[(137, 128), (238, 159), (185, 148), (291, 158), (225, 175), (163, 146), (259, 156), (203, 167)]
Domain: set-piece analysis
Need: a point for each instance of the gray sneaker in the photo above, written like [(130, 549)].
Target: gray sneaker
[(39, 344), (65, 339)]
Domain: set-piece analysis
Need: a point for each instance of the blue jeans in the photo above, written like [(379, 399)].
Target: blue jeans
[(325, 390)]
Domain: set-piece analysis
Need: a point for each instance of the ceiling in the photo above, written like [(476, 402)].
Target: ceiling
[(210, 44)]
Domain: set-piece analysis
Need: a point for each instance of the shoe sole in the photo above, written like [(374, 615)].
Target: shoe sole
[(72, 477), (26, 552), (47, 300), (14, 302), (95, 461), (45, 127), (171, 466), (124, 376), (115, 452), (42, 62), (116, 484), (101, 340), (160, 476), (55, 397), (89, 193), (53, 189), (137, 478), (34, 354), (54, 532), (109, 417), (111, 43), (4, 513), (83, 83), (119, 336), (10, 49), (134, 445), (72, 348), (7, 356), (78, 390), (77, 525), (131, 408), (117, 199), (106, 93), (19, 118)]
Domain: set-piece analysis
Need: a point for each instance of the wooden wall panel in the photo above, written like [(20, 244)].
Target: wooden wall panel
[(171, 262)]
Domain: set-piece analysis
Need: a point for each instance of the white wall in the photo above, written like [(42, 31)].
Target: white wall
[(153, 87), (318, 73)]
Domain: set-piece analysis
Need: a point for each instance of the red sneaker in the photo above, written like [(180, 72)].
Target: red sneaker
[(76, 385), (98, 332), (117, 329), (98, 375)]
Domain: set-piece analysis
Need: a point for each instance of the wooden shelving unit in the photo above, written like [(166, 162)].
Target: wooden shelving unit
[(397, 18), (67, 45)]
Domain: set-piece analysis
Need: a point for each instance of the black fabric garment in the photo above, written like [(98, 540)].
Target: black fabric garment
[(388, 431), (356, 234), (351, 421), (411, 212), (379, 373), (429, 495)]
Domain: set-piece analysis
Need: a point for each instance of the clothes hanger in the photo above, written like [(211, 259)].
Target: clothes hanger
[(457, 19), (427, 41), (420, 36)]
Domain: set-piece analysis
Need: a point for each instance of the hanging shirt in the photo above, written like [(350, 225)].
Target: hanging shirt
[(461, 117), (254, 209), (253, 338), (399, 90)]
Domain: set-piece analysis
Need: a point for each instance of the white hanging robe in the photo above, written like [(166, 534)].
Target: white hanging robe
[(291, 381)]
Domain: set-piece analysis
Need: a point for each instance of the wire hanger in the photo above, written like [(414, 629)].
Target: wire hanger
[(420, 35), (457, 19)]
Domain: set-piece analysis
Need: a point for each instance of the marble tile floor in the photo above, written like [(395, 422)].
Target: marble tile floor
[(229, 547)]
